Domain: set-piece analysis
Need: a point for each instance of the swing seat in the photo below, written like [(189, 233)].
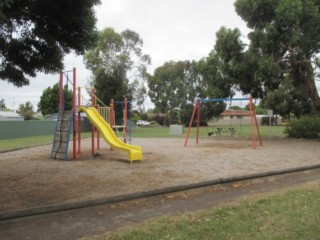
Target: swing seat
[(232, 131), (210, 133), (221, 130)]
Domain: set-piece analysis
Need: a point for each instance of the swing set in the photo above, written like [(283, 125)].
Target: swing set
[(220, 125), (230, 129)]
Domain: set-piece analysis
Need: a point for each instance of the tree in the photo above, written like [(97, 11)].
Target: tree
[(284, 40), (49, 100), (26, 110), (175, 85), (214, 69), (118, 66), (289, 99), (2, 104), (35, 35)]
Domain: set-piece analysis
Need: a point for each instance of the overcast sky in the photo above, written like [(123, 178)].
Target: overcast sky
[(170, 29)]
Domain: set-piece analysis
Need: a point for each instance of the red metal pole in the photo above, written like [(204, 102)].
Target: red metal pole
[(257, 125), (198, 121), (92, 129), (74, 114), (125, 119), (190, 123), (112, 113), (60, 91), (98, 132), (252, 127), (79, 121), (111, 116)]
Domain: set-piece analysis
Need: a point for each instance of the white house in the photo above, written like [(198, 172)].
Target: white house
[(10, 116)]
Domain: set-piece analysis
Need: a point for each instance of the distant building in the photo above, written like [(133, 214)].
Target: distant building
[(10, 116), (232, 117), (235, 117), (38, 115)]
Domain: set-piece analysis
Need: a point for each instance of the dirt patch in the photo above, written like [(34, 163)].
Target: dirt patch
[(29, 178)]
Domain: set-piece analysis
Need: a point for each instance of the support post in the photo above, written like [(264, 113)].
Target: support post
[(61, 92), (252, 123), (198, 121), (98, 132), (125, 120), (92, 129), (111, 113), (79, 121), (256, 122), (111, 117), (74, 107), (191, 121)]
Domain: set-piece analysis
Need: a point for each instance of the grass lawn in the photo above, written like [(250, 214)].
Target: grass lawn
[(19, 143), (143, 132), (243, 131), (290, 214)]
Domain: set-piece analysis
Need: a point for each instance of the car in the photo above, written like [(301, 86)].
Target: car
[(142, 123)]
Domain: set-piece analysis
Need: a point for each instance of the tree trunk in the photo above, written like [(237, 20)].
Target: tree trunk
[(307, 75)]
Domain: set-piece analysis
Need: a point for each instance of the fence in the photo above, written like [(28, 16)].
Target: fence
[(20, 129)]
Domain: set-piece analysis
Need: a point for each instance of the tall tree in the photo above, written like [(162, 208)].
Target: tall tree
[(49, 100), (118, 66), (284, 40), (35, 35), (26, 110), (286, 35), (175, 85)]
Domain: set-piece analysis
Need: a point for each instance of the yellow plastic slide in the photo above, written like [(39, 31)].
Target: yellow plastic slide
[(134, 152)]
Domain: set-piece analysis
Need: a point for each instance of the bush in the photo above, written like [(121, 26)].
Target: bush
[(305, 127), (159, 118)]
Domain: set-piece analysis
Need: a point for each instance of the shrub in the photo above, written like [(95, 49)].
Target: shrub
[(305, 127)]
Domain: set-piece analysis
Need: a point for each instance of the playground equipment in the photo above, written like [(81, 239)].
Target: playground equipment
[(197, 109), (221, 125), (125, 128), (68, 121), (134, 152)]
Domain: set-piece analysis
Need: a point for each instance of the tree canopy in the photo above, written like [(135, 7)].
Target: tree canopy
[(175, 85), (49, 100), (118, 66), (35, 35), (284, 41), (26, 110)]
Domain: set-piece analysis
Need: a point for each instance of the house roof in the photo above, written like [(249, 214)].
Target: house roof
[(8, 114), (231, 112)]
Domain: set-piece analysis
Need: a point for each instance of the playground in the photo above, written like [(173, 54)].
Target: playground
[(31, 179), (106, 166)]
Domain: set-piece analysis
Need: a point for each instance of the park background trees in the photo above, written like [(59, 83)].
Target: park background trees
[(276, 63), (118, 66), (49, 100), (173, 88), (283, 43)]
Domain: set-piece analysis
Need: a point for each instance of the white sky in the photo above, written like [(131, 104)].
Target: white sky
[(171, 30)]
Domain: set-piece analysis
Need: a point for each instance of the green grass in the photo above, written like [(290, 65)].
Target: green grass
[(294, 214), (241, 132), (143, 132), (19, 143)]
